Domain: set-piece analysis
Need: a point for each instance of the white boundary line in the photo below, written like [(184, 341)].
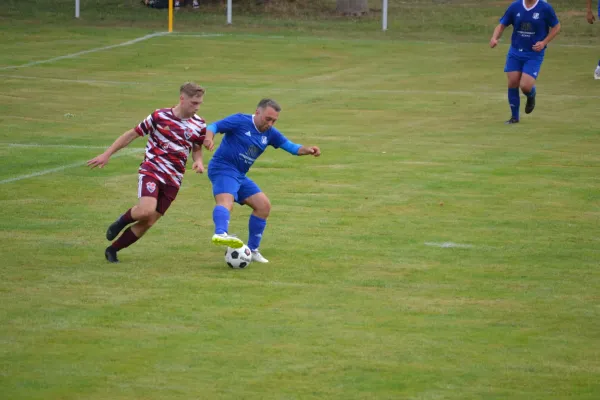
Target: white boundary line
[(62, 167), (499, 94), (80, 53)]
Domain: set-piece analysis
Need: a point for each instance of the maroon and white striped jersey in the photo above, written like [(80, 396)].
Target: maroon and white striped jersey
[(170, 140)]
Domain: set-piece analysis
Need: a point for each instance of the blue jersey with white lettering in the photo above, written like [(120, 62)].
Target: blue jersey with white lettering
[(242, 143), (530, 25)]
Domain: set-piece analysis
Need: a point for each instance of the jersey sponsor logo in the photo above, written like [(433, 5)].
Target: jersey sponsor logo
[(151, 186), (263, 140), (248, 134), (253, 151)]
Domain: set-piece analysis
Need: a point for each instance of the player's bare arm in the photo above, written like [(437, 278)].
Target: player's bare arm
[(539, 46), (309, 150), (121, 142), (198, 165), (209, 143), (590, 15), (496, 35)]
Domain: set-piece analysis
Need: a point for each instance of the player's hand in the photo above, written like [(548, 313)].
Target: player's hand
[(98, 161), (198, 167), (314, 150), (590, 17), (208, 144), (493, 42), (539, 46)]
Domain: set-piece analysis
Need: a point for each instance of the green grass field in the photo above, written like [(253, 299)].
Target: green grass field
[(431, 253)]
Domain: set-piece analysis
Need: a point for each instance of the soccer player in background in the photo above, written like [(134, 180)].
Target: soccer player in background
[(245, 138), (172, 134), (534, 26), (591, 18)]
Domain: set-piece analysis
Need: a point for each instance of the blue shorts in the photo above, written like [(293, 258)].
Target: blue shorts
[(241, 187), (525, 65)]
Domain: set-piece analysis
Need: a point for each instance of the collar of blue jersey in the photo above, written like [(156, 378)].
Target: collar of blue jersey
[(257, 130), (530, 8)]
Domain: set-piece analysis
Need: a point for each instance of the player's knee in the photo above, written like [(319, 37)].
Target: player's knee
[(526, 88), (264, 208), (146, 214)]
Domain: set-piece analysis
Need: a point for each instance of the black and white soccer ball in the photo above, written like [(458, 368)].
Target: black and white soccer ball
[(238, 258)]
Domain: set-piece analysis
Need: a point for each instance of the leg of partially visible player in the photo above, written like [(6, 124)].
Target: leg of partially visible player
[(591, 19), (257, 223)]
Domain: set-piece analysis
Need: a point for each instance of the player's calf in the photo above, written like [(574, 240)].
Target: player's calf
[(117, 226)]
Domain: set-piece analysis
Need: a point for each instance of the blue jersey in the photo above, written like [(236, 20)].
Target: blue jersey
[(242, 144), (530, 25)]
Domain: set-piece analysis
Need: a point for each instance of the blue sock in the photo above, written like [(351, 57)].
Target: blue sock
[(221, 219), (514, 100), (530, 94), (256, 227), (599, 63)]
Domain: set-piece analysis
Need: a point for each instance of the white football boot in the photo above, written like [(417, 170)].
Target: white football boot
[(223, 239), (597, 72), (257, 257)]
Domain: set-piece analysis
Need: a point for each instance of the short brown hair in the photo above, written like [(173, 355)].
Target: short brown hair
[(191, 89), (264, 103)]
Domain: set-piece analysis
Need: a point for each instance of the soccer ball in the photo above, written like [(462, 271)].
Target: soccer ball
[(238, 258)]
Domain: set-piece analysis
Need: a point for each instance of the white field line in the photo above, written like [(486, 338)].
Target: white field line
[(447, 245), (80, 53), (63, 167), (59, 146), (498, 94)]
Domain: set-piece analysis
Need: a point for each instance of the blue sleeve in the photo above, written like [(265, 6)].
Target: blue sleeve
[(551, 18), (226, 125), (276, 138), (508, 17), (290, 147)]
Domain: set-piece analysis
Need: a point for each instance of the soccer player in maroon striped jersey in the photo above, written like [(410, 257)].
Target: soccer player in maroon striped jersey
[(172, 134)]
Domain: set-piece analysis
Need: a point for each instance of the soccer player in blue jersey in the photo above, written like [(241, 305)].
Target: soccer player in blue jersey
[(534, 26), (591, 18), (245, 138)]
